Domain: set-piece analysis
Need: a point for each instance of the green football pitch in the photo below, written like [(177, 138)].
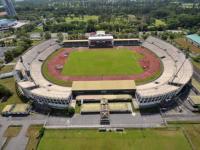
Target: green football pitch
[(102, 62), (137, 139)]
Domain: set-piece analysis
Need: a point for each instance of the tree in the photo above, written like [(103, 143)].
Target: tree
[(41, 35), (60, 37), (47, 35), (41, 132), (8, 56), (164, 36), (69, 111)]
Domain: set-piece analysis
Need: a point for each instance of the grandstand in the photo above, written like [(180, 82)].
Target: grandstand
[(177, 72), (31, 82)]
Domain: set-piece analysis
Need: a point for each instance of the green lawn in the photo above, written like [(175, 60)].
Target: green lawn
[(137, 139), (102, 62), (10, 84)]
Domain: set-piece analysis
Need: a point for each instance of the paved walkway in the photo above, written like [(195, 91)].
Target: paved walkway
[(2, 130), (19, 142)]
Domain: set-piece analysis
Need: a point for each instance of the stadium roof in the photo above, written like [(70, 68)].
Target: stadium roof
[(194, 37), (103, 85)]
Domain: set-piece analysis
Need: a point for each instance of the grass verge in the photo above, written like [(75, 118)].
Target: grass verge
[(33, 135)]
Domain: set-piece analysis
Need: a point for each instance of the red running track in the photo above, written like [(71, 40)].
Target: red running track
[(150, 62)]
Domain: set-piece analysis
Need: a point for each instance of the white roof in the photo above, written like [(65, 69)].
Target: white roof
[(26, 84), (106, 37)]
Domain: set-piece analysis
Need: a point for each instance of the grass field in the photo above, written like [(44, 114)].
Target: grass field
[(102, 62), (137, 139), (192, 132)]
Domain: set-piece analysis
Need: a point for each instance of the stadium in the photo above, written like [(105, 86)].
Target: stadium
[(101, 71)]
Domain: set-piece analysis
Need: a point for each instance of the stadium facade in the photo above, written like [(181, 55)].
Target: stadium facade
[(177, 72)]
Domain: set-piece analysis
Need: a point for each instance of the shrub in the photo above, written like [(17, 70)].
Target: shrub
[(4, 91), (41, 132), (8, 56), (69, 111)]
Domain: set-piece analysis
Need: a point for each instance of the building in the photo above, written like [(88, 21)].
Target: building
[(7, 23), (10, 9), (100, 39), (103, 87), (194, 39)]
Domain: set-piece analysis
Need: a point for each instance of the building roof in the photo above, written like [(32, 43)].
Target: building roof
[(195, 99), (103, 85), (108, 97), (194, 37), (20, 108), (7, 108)]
